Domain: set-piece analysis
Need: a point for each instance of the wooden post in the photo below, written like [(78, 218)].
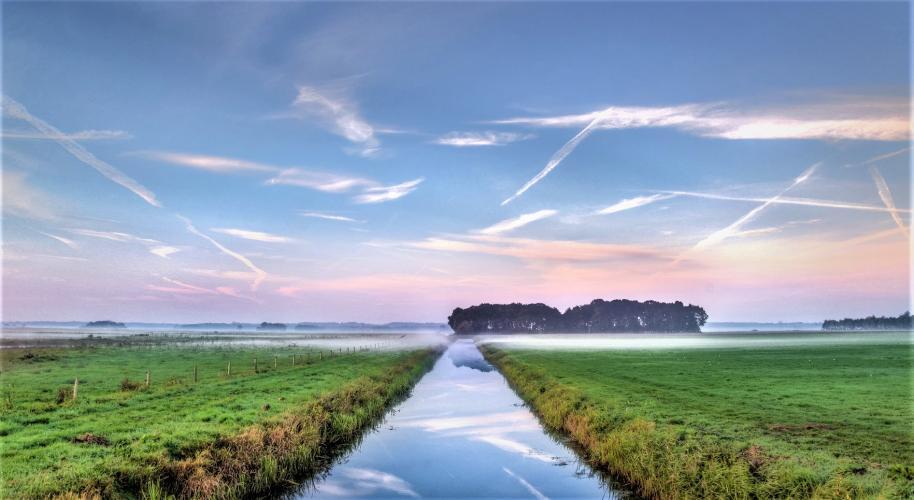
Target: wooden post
[(293, 360), (255, 365), (147, 378), (274, 362), (75, 387), (195, 374), (320, 355), (228, 370)]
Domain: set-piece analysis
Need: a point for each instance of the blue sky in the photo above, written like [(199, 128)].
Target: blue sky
[(381, 162)]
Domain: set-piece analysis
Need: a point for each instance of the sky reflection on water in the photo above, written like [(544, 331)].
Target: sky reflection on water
[(462, 434)]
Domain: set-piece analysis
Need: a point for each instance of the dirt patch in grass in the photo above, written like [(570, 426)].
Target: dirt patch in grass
[(793, 428), (89, 438)]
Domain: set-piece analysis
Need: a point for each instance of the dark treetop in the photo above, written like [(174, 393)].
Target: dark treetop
[(902, 322), (599, 316), (104, 324)]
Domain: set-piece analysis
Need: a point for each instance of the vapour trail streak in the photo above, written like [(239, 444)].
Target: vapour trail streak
[(259, 273), (721, 235), (17, 110), (886, 195), (557, 158), (809, 202)]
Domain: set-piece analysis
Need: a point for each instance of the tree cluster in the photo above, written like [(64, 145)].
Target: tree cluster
[(600, 316), (901, 322)]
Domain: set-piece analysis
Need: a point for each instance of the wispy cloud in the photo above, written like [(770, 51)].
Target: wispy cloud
[(326, 216), (259, 274), (253, 235), (867, 120), (527, 249), (885, 194), (22, 199), (321, 181), (163, 251), (476, 139), (17, 110), (380, 194), (341, 115), (829, 121), (66, 241), (629, 203), (82, 135), (206, 162), (736, 227), (517, 222), (350, 482)]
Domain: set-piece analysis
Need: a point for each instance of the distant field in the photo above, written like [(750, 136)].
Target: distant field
[(204, 436), (786, 421)]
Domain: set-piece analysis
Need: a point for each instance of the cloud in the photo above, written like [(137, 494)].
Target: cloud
[(867, 120), (517, 222), (629, 203), (476, 139), (82, 135), (885, 194), (66, 241), (16, 110), (163, 251), (206, 162), (830, 121), (253, 235), (326, 216), (259, 274), (736, 227), (340, 115), (23, 200), (539, 250), (380, 194), (112, 235), (321, 181)]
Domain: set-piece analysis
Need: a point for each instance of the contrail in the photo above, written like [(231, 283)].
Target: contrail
[(886, 195), (718, 236), (557, 158), (809, 202), (260, 273), (19, 111)]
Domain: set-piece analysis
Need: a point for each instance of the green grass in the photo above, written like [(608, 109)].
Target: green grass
[(823, 421), (159, 436)]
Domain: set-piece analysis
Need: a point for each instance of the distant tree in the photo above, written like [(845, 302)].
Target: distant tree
[(901, 322), (271, 326), (598, 316), (104, 324)]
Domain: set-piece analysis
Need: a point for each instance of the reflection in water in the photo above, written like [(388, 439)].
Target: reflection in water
[(462, 434)]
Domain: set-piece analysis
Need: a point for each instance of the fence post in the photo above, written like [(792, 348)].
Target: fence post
[(293, 360), (195, 374), (274, 362), (255, 365), (75, 387), (228, 370), (147, 378)]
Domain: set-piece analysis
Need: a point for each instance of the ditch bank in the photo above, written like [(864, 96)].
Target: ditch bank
[(658, 460), (272, 457)]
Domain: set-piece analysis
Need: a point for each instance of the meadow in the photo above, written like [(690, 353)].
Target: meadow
[(195, 429), (791, 421)]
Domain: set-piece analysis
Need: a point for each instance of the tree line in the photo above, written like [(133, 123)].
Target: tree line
[(600, 316), (901, 322)]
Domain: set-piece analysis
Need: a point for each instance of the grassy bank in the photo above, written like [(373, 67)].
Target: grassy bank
[(225, 435), (775, 422)]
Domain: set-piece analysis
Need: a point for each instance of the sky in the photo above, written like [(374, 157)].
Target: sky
[(193, 162)]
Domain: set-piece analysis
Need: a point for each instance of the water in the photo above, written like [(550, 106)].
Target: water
[(462, 434)]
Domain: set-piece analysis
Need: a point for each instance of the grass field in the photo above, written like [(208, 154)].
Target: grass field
[(224, 434), (788, 422)]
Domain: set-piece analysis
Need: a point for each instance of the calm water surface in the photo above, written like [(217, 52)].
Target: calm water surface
[(462, 434)]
